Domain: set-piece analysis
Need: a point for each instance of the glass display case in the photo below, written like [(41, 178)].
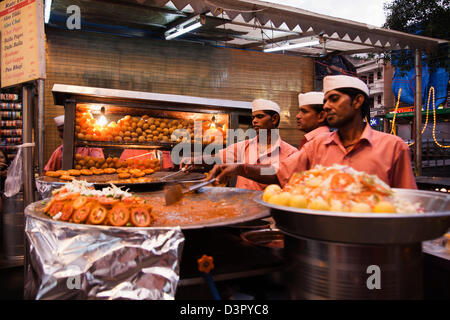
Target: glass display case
[(106, 128)]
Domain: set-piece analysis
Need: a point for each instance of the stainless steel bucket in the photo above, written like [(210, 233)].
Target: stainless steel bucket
[(13, 228), (331, 270)]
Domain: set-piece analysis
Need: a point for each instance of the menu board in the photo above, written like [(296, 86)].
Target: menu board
[(22, 41)]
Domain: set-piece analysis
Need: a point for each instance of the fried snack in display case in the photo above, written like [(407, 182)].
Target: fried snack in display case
[(118, 121), (142, 126)]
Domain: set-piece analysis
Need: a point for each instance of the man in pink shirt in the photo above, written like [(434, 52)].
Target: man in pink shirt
[(55, 161), (267, 148), (311, 118), (354, 144)]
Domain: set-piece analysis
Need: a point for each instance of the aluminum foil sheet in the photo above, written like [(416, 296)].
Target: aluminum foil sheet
[(68, 261)]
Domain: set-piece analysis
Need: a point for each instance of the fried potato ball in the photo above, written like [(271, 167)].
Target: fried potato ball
[(86, 172), (384, 207), (67, 177), (124, 175), (281, 199)]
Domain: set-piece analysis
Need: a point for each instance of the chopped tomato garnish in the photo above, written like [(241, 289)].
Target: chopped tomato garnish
[(97, 215), (107, 201), (140, 216), (56, 207), (341, 180), (67, 211), (80, 215), (119, 215), (79, 202)]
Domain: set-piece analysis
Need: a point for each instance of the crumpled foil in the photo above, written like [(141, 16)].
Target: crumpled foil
[(68, 261), (45, 189)]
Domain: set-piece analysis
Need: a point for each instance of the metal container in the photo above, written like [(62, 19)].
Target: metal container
[(80, 261), (375, 228), (339, 255), (12, 228), (248, 210)]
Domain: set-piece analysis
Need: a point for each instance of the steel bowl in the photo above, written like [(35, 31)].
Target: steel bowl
[(368, 228)]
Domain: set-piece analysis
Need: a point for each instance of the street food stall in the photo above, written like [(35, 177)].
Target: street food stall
[(213, 213), (124, 243)]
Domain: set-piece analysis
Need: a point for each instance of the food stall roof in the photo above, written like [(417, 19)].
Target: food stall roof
[(61, 92), (244, 24)]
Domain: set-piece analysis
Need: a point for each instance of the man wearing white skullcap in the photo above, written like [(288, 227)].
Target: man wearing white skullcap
[(354, 143), (260, 149), (311, 117), (55, 161)]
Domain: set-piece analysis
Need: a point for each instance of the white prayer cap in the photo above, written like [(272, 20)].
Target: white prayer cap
[(337, 82), (59, 120), (309, 98), (264, 105)]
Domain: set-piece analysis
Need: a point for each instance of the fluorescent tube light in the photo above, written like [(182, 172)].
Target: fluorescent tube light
[(47, 10), (178, 32), (293, 46)]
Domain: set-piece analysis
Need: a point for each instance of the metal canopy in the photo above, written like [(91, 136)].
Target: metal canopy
[(243, 24)]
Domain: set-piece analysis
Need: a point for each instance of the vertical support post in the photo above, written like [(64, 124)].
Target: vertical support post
[(41, 126), (418, 115), (28, 174), (69, 134)]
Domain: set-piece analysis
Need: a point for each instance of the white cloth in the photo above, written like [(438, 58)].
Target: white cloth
[(336, 82), (264, 105), (310, 98), (59, 120)]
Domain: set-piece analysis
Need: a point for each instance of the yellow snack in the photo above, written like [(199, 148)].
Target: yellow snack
[(319, 204), (298, 201), (281, 199), (384, 207), (67, 177), (361, 208)]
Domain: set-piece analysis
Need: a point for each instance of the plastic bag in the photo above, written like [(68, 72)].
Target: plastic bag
[(14, 178)]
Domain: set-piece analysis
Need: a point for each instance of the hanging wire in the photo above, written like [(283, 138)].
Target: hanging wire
[(426, 120)]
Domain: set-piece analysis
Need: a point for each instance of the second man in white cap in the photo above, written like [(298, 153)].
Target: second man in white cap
[(311, 118)]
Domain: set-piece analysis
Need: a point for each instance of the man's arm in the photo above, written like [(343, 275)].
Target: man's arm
[(259, 173)]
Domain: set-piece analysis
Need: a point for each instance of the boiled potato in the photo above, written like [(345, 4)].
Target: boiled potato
[(361, 208), (384, 207), (298, 201), (281, 199), (271, 190), (319, 204)]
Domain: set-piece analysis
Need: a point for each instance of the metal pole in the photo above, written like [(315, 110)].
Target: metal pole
[(418, 115), (28, 174), (41, 125)]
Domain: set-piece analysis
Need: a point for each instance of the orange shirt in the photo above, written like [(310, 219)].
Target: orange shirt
[(55, 161), (248, 152), (378, 153)]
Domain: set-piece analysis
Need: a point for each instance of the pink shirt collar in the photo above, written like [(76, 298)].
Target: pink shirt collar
[(366, 135), (314, 133)]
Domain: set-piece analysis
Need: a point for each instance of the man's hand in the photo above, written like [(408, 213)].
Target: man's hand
[(224, 172)]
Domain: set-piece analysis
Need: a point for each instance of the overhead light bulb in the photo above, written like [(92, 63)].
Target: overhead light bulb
[(102, 121)]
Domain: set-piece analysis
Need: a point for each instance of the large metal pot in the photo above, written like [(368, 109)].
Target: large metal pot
[(339, 255)]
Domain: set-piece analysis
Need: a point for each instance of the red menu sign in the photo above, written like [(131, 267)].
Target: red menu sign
[(22, 41)]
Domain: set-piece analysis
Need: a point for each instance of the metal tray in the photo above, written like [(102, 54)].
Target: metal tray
[(373, 228), (249, 210), (54, 183)]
